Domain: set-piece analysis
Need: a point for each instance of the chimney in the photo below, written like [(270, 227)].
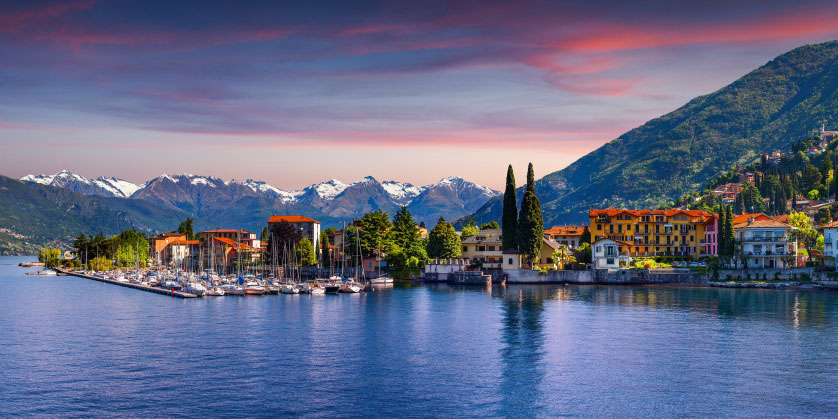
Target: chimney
[(750, 220)]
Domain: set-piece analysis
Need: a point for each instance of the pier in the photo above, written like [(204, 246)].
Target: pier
[(155, 290)]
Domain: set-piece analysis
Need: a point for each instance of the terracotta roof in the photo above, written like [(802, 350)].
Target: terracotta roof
[(232, 243), (761, 223), (611, 212), (833, 224), (565, 231), (292, 219), (227, 230), (781, 218), (187, 242), (741, 218)]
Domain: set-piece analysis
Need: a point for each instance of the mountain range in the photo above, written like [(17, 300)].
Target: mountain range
[(783, 101), (214, 202)]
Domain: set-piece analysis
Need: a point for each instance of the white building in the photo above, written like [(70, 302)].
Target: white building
[(765, 244), (606, 254), (830, 244)]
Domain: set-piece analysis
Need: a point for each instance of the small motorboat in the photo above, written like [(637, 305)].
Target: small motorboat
[(350, 287), (289, 289), (214, 292), (230, 289), (253, 288)]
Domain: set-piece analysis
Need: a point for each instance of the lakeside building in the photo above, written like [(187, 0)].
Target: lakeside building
[(764, 242), (651, 233), (484, 247), (223, 246), (173, 249), (830, 244), (606, 254), (569, 236), (307, 227)]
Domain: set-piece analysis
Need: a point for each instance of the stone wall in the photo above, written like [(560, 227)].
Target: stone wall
[(601, 276), (789, 274)]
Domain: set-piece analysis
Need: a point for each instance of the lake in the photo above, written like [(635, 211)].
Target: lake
[(76, 347)]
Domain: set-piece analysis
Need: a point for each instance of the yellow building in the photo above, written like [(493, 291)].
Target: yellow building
[(642, 233)]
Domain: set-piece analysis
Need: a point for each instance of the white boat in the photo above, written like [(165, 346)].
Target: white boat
[(350, 288), (196, 289), (47, 272), (230, 289), (253, 288), (289, 289), (214, 292), (381, 280)]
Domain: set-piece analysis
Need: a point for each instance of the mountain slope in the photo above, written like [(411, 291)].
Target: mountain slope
[(788, 98), (33, 215), (213, 202)]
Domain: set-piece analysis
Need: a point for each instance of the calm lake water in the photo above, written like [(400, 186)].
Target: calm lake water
[(75, 347)]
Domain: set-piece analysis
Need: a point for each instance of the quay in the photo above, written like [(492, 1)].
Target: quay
[(155, 290)]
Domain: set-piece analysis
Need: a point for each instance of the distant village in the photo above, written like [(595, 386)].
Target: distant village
[(694, 236)]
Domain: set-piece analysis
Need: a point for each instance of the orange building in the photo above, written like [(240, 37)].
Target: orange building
[(650, 233)]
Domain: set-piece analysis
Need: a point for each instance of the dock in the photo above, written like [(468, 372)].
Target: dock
[(155, 290)]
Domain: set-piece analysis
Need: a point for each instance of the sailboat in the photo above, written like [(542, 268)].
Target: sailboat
[(350, 286), (380, 280)]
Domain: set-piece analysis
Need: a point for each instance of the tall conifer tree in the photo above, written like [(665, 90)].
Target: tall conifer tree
[(530, 223), (730, 244), (721, 248), (510, 213)]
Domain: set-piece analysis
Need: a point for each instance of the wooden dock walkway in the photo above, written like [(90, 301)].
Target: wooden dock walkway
[(155, 290)]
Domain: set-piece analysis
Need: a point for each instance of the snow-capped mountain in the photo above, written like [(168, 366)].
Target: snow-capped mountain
[(102, 186), (232, 201)]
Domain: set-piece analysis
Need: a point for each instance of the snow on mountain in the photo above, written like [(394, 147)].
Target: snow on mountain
[(457, 181), (262, 187), (402, 193), (330, 189), (110, 187), (116, 186)]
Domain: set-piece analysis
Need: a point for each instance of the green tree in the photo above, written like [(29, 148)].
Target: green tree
[(509, 235), (586, 236), (80, 248), (583, 253), (375, 232), (491, 225), (443, 241), (50, 257), (721, 236), (325, 253), (185, 227), (100, 264), (265, 235), (811, 178), (803, 231), (530, 224), (405, 232), (305, 252), (470, 229)]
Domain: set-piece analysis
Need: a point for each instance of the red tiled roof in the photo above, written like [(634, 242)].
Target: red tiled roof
[(226, 230), (292, 219), (761, 223), (565, 231), (611, 212), (232, 243), (741, 218)]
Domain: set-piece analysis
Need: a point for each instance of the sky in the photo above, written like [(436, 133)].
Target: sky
[(295, 93)]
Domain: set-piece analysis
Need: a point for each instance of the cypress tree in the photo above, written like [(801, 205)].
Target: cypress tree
[(730, 244), (510, 213), (530, 223)]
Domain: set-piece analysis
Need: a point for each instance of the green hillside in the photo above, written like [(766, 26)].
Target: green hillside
[(786, 99), (32, 216)]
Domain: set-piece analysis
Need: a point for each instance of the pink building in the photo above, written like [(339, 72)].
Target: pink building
[(711, 236)]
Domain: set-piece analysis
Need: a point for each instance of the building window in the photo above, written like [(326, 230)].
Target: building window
[(510, 261)]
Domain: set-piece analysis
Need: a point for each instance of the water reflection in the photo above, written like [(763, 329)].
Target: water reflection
[(795, 308), (522, 350)]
